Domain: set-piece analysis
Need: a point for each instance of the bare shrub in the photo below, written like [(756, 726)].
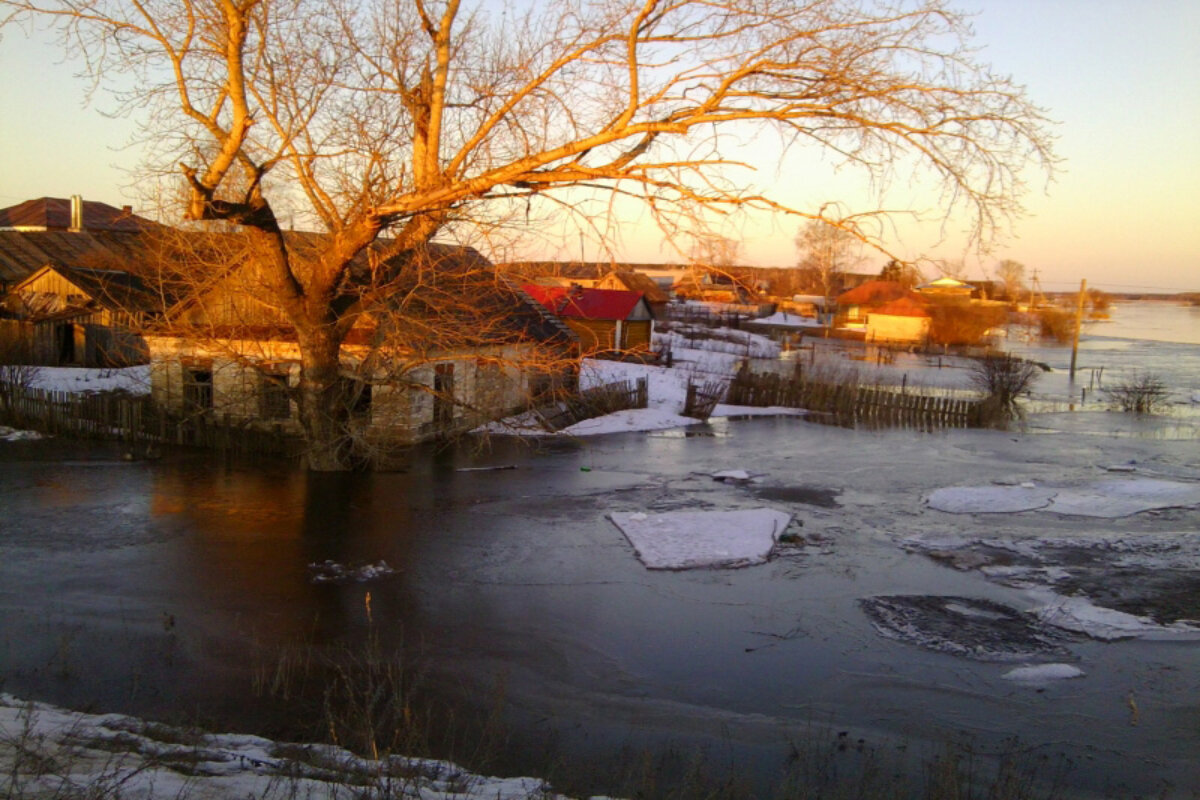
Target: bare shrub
[(1056, 324), (955, 324), (1002, 379), (1140, 393)]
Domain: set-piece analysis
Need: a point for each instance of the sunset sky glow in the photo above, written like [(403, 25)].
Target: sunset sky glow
[(1122, 80)]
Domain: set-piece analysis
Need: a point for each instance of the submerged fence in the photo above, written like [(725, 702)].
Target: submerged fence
[(567, 410), (137, 422), (849, 401)]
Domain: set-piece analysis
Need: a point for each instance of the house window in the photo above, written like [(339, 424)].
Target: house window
[(274, 401), (197, 389)]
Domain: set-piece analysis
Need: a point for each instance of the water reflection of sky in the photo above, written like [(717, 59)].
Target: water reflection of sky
[(1154, 321)]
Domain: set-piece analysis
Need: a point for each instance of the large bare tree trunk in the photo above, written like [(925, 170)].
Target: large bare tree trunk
[(324, 413)]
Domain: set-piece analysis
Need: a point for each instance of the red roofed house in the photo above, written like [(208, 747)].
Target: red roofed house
[(603, 319)]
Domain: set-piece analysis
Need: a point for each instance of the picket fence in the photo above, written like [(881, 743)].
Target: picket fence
[(138, 423), (871, 405)]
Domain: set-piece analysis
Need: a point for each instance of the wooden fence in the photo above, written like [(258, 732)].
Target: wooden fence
[(850, 402), (135, 421), (595, 402), (703, 398)]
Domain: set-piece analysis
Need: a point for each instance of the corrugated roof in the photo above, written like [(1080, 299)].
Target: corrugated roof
[(54, 213), (24, 252), (613, 304)]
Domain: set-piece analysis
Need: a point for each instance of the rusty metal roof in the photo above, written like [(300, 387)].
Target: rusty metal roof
[(54, 214)]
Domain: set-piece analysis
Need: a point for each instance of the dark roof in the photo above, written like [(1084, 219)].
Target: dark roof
[(603, 304), (24, 252), (446, 296), (114, 290), (876, 293), (639, 282), (54, 214)]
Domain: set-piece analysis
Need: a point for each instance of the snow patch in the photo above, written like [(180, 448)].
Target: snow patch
[(702, 539), (135, 380), (146, 761), (14, 435)]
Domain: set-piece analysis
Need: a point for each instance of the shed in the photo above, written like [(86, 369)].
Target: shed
[(603, 319)]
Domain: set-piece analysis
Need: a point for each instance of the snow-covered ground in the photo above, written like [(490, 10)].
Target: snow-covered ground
[(47, 752), (135, 380)]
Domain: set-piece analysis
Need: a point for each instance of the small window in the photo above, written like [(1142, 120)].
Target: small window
[(274, 401), (198, 389)]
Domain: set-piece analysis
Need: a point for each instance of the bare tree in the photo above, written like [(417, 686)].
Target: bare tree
[(1011, 275), (827, 250), (417, 116)]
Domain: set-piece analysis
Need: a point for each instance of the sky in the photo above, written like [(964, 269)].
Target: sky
[(1121, 80)]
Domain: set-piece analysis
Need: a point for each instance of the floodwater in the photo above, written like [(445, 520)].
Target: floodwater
[(173, 589)]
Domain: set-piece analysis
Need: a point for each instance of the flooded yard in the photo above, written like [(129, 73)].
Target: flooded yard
[(178, 589)]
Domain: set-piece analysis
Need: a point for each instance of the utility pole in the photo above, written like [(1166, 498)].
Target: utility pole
[(1078, 325)]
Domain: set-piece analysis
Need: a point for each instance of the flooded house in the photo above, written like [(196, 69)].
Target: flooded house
[(73, 295), (439, 346)]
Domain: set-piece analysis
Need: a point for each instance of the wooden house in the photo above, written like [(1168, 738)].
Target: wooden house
[(82, 317), (625, 280), (605, 320), (442, 345), (903, 320)]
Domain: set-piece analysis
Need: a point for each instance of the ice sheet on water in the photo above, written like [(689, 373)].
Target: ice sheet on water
[(989, 499), (1043, 673), (1110, 498), (1105, 585), (700, 539), (969, 627)]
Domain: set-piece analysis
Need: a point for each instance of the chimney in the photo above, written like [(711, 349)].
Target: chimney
[(76, 212)]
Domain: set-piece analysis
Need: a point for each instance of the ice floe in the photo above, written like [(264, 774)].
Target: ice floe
[(1082, 615), (698, 539), (969, 627), (1110, 498), (989, 499), (1105, 585), (1043, 673)]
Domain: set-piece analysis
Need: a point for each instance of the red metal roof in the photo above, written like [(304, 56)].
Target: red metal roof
[(585, 303), (54, 213)]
